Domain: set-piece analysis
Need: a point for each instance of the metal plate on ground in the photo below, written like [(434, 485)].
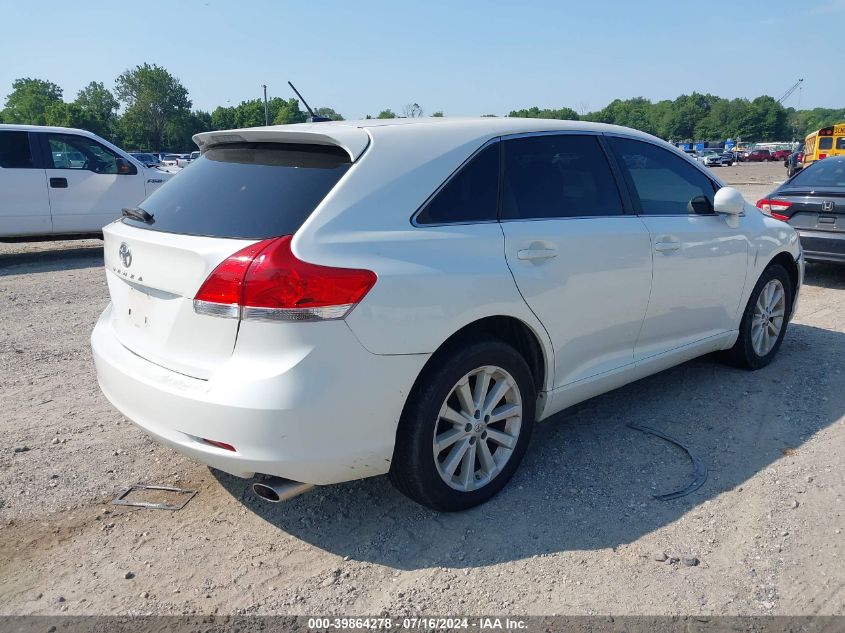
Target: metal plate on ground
[(180, 496)]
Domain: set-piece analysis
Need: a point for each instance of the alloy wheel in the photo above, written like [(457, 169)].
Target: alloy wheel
[(477, 428), (767, 320)]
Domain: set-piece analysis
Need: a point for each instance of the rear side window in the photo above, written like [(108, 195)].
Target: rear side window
[(557, 176), (471, 195), (664, 184), (246, 190), (15, 152), (840, 142)]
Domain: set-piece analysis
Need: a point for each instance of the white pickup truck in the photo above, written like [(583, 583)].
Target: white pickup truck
[(64, 181)]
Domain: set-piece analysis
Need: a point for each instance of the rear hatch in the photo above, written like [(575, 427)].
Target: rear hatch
[(234, 195)]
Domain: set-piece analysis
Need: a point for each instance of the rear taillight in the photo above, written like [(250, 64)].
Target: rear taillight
[(822, 156), (774, 208), (265, 281)]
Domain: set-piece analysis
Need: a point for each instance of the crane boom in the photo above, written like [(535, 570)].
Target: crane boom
[(790, 91)]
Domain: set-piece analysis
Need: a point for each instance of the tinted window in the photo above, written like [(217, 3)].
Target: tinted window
[(840, 142), (826, 142), (557, 176), (246, 190), (829, 172), (15, 152), (664, 183), (471, 195)]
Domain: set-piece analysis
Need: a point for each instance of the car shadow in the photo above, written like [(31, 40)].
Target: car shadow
[(43, 261), (587, 480), (825, 275)]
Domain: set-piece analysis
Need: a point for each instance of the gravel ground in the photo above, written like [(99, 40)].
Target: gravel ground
[(576, 532)]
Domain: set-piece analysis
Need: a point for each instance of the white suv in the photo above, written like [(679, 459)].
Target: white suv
[(63, 181), (324, 302)]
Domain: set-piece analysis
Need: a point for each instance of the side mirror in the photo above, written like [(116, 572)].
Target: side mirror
[(730, 202), (125, 167)]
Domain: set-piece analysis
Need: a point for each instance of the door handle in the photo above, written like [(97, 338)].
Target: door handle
[(58, 183), (536, 253), (667, 246)]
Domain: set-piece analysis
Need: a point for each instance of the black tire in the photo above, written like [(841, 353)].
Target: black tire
[(413, 469), (742, 354)]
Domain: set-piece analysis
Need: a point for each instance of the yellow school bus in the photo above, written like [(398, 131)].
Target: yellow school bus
[(828, 141)]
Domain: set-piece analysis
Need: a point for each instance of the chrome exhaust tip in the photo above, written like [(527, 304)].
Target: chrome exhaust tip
[(278, 489)]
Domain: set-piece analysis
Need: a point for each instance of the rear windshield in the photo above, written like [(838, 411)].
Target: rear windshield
[(246, 190), (821, 174)]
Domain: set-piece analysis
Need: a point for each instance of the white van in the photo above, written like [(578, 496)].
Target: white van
[(63, 181)]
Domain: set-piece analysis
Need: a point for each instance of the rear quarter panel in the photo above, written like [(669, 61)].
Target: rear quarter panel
[(768, 238), (432, 281)]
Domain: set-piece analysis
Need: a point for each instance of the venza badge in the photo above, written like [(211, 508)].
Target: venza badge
[(125, 255)]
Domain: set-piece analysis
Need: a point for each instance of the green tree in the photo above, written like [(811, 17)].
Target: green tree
[(63, 114), (155, 101), (634, 113), (223, 118), (329, 113), (99, 108), (546, 113), (438, 114), (285, 111), (29, 100), (386, 114)]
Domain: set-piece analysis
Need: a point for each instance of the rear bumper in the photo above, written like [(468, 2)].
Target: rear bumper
[(823, 246), (306, 402)]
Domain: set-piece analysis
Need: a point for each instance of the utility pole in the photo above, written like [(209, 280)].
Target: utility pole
[(266, 114)]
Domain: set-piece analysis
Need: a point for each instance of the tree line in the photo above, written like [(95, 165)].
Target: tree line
[(704, 117), (149, 109)]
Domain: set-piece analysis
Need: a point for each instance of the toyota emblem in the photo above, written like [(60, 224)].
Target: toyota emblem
[(125, 255)]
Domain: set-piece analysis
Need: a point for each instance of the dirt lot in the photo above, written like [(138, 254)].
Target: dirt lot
[(576, 532)]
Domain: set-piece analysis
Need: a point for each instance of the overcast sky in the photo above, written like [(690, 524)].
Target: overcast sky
[(465, 57)]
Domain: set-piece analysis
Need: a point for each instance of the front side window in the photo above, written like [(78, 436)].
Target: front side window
[(68, 151), (663, 183), (826, 142), (15, 152), (471, 195), (557, 176)]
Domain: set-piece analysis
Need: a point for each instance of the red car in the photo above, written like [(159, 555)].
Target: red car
[(782, 154), (759, 156)]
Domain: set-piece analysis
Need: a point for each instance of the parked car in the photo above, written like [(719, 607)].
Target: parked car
[(172, 160), (149, 160), (194, 155), (324, 302), (781, 154), (63, 181), (713, 158), (813, 202), (794, 163), (759, 156)]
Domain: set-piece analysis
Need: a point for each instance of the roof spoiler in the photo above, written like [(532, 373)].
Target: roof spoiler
[(353, 140)]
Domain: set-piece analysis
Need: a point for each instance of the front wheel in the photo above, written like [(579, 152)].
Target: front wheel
[(764, 321), (466, 426)]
